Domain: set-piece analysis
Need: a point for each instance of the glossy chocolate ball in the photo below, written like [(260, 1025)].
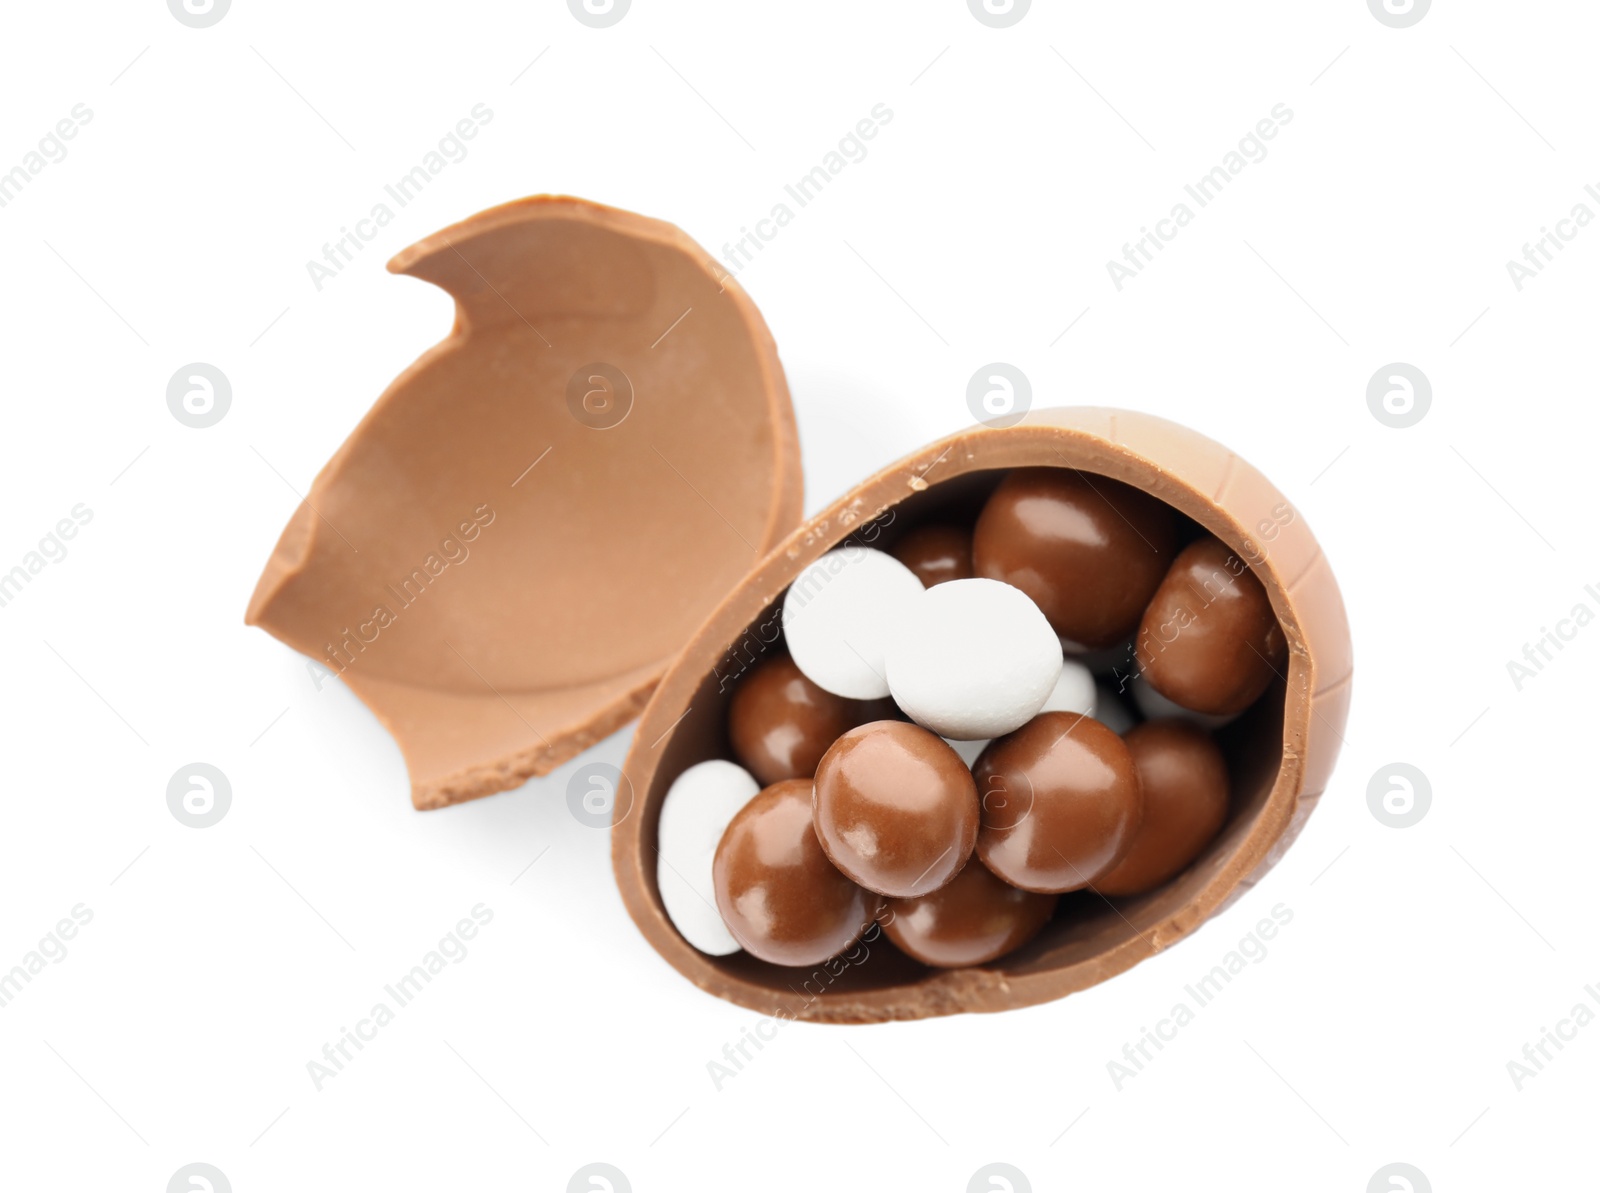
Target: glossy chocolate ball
[(1185, 782), (896, 808), (1089, 550), (1061, 803), (936, 553), (780, 723), (778, 894), (1209, 640), (971, 919)]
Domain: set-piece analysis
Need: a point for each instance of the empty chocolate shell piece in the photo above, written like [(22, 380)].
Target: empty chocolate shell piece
[(521, 534), (1279, 753)]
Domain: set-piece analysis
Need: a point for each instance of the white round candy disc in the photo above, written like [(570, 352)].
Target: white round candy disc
[(1155, 706), (840, 614), (1111, 710), (694, 815), (974, 658), (1074, 690)]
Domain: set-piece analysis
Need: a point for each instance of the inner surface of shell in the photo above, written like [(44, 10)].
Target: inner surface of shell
[(527, 526), (1280, 753)]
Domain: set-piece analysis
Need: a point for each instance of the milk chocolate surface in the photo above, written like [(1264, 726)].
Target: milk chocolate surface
[(506, 553), (1280, 752), (777, 892), (780, 723), (971, 919), (937, 552), (1061, 803), (1089, 550), (1185, 782), (1209, 640), (896, 808)]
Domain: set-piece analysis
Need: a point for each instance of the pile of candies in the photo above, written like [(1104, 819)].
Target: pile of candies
[(934, 751)]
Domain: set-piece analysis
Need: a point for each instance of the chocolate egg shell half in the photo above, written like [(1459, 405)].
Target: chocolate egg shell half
[(506, 553), (1280, 753)]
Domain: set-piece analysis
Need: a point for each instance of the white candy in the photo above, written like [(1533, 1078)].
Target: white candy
[(695, 814), (973, 659), (1110, 709), (840, 615), (1074, 690), (1155, 706)]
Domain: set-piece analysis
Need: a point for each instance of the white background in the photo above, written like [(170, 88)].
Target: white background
[(1018, 161)]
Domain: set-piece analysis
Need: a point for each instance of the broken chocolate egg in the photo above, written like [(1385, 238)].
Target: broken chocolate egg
[(1279, 752), (473, 560)]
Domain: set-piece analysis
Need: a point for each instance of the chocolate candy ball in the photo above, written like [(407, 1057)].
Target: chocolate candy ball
[(1185, 782), (1061, 803), (780, 723), (777, 892), (972, 919), (896, 808), (1209, 640), (936, 553), (1089, 550)]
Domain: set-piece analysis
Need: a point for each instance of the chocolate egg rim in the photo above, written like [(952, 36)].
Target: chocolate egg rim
[(1201, 480)]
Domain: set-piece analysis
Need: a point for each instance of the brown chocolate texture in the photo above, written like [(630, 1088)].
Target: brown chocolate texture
[(523, 531), (1279, 753)]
